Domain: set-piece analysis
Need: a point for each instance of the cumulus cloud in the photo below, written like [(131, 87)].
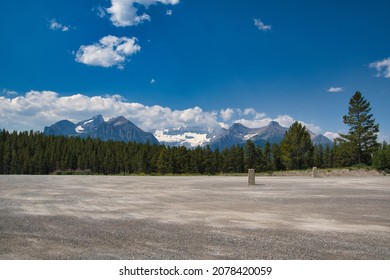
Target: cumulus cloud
[(110, 51), (248, 117), (37, 109), (227, 114), (56, 26), (383, 67), (41, 108), (335, 89), (126, 12), (254, 113), (261, 26)]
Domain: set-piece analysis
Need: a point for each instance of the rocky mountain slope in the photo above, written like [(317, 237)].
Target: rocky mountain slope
[(117, 129)]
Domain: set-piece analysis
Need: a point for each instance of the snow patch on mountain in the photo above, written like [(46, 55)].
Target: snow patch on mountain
[(79, 129), (190, 137), (87, 122)]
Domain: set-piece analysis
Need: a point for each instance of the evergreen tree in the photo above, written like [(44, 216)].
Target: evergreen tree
[(361, 141), (327, 157), (250, 154), (297, 148), (226, 160), (163, 161), (208, 161), (277, 163), (318, 156), (260, 165), (381, 159), (267, 157)]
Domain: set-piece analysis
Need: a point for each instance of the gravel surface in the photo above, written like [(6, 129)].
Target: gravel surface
[(103, 217)]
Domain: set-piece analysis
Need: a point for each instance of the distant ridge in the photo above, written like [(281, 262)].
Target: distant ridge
[(117, 129), (121, 129), (223, 138)]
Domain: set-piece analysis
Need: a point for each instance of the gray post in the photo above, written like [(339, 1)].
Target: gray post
[(315, 172), (251, 177)]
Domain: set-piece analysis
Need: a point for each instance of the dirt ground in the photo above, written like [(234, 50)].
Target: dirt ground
[(103, 217)]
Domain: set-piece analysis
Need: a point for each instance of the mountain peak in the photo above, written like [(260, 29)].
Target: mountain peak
[(274, 123), (239, 128), (118, 120), (97, 117)]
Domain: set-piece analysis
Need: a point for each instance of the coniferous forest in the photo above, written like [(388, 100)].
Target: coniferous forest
[(36, 153)]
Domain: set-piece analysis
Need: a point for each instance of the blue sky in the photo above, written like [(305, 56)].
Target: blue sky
[(193, 62)]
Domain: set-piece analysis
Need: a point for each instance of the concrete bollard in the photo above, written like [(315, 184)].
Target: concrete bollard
[(251, 177), (315, 173)]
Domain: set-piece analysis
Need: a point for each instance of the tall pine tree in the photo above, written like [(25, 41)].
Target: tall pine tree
[(361, 139)]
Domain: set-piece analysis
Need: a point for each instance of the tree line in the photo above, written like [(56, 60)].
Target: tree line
[(35, 153)]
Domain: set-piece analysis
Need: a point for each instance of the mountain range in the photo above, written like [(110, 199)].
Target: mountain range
[(121, 129), (117, 129), (226, 138)]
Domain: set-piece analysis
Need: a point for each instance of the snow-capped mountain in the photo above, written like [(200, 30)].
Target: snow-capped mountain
[(225, 138), (239, 134), (118, 129), (121, 129), (189, 137)]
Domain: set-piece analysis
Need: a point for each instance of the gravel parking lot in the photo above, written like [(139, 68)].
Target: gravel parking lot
[(200, 217)]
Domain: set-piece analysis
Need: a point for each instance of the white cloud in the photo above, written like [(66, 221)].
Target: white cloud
[(37, 109), (248, 117), (382, 66), (261, 26), (54, 25), (284, 120), (253, 123), (335, 89), (227, 114), (125, 12), (41, 108), (110, 51), (254, 113)]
